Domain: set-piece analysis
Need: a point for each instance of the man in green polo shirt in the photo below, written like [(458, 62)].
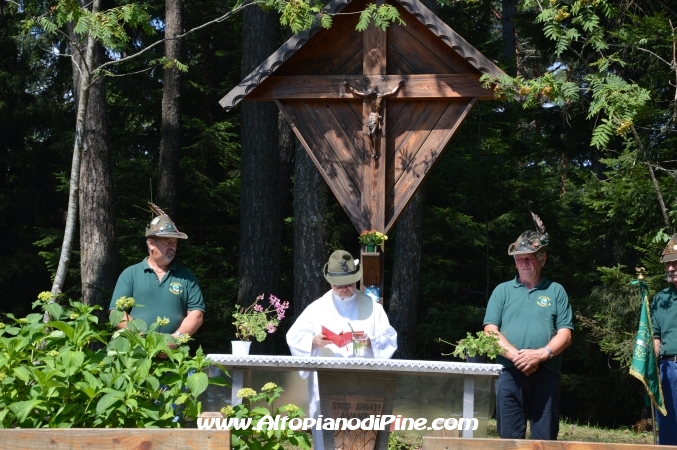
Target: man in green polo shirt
[(532, 318), (160, 285), (664, 324)]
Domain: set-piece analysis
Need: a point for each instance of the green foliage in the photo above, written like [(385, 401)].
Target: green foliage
[(71, 372), (267, 437), (257, 322), (298, 15), (483, 345), (612, 313), (108, 27), (574, 28), (381, 16)]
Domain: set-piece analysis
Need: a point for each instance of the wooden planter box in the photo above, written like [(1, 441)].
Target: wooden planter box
[(113, 439)]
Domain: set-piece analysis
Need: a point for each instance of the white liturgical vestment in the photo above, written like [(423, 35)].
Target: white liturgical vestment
[(335, 314)]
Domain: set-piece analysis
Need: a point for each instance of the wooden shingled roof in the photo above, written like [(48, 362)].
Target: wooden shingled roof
[(434, 24), (321, 80)]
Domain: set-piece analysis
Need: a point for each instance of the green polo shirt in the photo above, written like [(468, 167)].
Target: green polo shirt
[(172, 297), (664, 320), (529, 318)]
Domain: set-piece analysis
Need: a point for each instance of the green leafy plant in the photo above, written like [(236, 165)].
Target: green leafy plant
[(266, 438), (72, 372), (372, 237), (483, 344), (257, 322)]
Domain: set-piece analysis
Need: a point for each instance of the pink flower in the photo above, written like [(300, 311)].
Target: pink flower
[(280, 316), (274, 301), (258, 308), (271, 328)]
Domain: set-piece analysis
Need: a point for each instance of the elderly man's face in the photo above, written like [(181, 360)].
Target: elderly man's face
[(529, 266), (163, 249), (671, 270), (343, 291)]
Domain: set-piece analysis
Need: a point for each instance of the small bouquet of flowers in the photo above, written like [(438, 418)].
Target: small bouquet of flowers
[(372, 237), (257, 322)]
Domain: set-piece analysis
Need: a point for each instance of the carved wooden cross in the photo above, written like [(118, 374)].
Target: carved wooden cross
[(374, 110)]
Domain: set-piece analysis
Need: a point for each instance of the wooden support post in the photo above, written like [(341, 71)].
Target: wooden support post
[(373, 264)]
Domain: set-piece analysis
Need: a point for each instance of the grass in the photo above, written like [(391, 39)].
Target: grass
[(588, 433)]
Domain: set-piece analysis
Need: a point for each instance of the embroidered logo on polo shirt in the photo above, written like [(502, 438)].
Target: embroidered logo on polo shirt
[(543, 301), (175, 288)]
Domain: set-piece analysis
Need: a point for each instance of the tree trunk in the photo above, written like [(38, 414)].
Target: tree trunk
[(81, 98), (260, 212), (509, 8), (170, 144), (287, 143), (310, 211), (97, 205), (406, 275)]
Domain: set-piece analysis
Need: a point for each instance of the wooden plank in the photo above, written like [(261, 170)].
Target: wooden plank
[(323, 44), (113, 438), (318, 149), (445, 443), (353, 66), (417, 34), (428, 22), (427, 155), (373, 179), (374, 51), (399, 127), (398, 64), (419, 54), (395, 108), (400, 159), (337, 54), (349, 157), (331, 86), (350, 123)]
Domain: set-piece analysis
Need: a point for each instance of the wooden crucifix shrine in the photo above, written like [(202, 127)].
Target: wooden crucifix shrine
[(374, 110)]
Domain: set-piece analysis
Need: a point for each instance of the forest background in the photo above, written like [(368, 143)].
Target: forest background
[(593, 154)]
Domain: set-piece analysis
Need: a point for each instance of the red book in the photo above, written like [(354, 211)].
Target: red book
[(340, 340)]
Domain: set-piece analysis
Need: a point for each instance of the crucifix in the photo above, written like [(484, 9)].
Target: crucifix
[(374, 110), (373, 121)]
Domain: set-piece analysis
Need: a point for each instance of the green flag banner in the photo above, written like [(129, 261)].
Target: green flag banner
[(644, 366)]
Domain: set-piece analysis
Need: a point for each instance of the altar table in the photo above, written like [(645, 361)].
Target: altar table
[(410, 388)]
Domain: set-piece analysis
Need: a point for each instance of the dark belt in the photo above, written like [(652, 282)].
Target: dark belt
[(669, 358)]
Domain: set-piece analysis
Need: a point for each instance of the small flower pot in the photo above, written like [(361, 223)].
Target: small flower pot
[(478, 359), (371, 248), (240, 348)]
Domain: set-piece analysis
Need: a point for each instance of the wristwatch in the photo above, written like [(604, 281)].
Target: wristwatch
[(547, 349)]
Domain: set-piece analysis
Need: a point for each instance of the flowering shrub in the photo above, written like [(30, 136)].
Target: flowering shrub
[(257, 322), (50, 375), (267, 437), (372, 237)]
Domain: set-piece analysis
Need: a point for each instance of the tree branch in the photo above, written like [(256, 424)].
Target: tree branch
[(191, 31), (656, 186)]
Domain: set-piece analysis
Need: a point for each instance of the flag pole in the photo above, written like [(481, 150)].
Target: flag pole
[(640, 277), (644, 363), (653, 422)]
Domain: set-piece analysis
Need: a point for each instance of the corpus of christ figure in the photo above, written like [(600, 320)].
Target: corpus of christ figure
[(374, 119)]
